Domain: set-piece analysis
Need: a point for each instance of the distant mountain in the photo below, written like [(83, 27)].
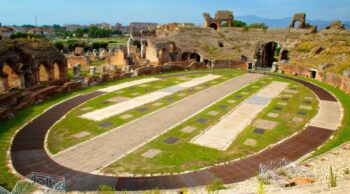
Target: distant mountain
[(284, 22)]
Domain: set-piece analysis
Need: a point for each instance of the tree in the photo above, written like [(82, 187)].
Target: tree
[(237, 23), (117, 32), (258, 25)]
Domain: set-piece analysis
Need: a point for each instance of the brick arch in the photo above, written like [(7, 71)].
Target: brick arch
[(11, 77), (44, 72), (267, 53), (59, 69)]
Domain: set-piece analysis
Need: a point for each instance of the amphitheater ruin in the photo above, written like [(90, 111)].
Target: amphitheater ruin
[(178, 107)]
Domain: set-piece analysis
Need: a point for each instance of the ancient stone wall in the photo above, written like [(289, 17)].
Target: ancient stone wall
[(73, 60), (26, 63)]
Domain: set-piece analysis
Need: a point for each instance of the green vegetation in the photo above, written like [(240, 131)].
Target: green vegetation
[(183, 155), (306, 46), (237, 23), (261, 187), (60, 138), (106, 189), (19, 35), (332, 178), (217, 185)]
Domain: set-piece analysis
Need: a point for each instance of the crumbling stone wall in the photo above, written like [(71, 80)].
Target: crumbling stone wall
[(298, 17), (26, 63), (73, 60), (217, 21)]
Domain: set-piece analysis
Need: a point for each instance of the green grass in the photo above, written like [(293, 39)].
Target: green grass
[(184, 156), (60, 136)]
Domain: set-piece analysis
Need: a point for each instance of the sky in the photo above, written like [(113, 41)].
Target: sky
[(18, 12)]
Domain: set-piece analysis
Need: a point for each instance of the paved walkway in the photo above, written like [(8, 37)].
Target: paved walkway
[(221, 135), (107, 148), (28, 154), (118, 108), (127, 84)]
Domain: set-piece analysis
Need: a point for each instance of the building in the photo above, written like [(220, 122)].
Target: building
[(73, 27), (6, 32)]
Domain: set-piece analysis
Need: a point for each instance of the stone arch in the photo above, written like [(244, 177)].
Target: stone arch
[(285, 55), (214, 26), (56, 72), (185, 56), (196, 57), (163, 56), (266, 54), (44, 72), (13, 79)]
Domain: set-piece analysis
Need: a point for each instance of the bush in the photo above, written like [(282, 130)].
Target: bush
[(258, 25), (19, 35), (98, 45), (59, 45), (237, 23), (215, 186), (106, 189)]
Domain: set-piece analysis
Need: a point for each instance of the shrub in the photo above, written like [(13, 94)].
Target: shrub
[(106, 189), (215, 186), (261, 187), (305, 46)]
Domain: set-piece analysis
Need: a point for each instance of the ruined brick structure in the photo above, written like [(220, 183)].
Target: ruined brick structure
[(27, 63), (298, 17), (220, 18)]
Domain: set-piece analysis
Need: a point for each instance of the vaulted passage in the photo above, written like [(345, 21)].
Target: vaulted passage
[(267, 53), (13, 79), (43, 73)]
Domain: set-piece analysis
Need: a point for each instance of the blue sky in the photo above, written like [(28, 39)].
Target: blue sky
[(161, 11)]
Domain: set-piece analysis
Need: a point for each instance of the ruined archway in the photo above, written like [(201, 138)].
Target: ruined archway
[(196, 57), (163, 56), (185, 56), (56, 72), (13, 80), (43, 73), (214, 26), (285, 55), (266, 54)]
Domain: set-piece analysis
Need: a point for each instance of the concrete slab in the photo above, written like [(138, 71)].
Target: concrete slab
[(282, 103), (157, 104), (298, 119), (308, 98), (188, 129), (244, 93), (86, 109), (81, 134), (225, 131), (250, 142), (259, 131), (151, 153), (118, 99), (305, 107), (171, 140), (128, 84), (258, 100), (287, 95), (144, 85), (265, 124), (201, 120), (291, 91), (329, 115), (135, 94), (213, 113), (115, 109), (231, 101), (126, 116), (272, 115)]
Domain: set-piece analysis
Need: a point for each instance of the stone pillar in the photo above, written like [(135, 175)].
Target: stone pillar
[(76, 71), (92, 70), (128, 45)]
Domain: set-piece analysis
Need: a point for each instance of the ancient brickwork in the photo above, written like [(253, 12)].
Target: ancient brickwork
[(27, 63)]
